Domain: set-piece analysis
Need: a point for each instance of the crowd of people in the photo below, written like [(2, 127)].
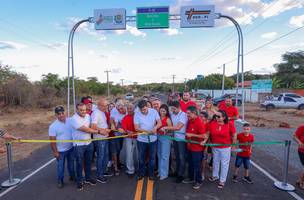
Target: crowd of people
[(148, 130), (201, 138)]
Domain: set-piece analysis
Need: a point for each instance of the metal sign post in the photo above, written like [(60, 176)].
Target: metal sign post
[(285, 185), (11, 181), (190, 16)]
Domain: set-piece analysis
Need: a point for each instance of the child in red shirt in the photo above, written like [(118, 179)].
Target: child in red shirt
[(243, 157)]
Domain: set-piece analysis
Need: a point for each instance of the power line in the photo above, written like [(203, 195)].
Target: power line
[(268, 43), (229, 37)]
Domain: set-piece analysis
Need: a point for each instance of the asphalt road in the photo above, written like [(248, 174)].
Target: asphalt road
[(42, 185)]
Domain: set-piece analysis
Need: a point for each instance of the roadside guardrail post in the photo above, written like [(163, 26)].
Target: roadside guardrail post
[(284, 185), (11, 181)]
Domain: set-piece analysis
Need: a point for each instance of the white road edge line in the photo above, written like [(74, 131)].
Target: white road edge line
[(27, 177), (295, 195)]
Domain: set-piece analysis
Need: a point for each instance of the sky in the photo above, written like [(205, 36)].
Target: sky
[(34, 36)]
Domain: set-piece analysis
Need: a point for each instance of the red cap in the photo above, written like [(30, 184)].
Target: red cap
[(87, 101)]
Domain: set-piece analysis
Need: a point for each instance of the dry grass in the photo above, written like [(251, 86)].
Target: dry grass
[(27, 124), (272, 119)]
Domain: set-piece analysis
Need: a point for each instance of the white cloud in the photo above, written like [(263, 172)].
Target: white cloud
[(133, 12), (269, 35), (128, 43), (297, 21), (244, 11), (11, 45), (170, 31), (277, 7), (134, 31), (55, 46)]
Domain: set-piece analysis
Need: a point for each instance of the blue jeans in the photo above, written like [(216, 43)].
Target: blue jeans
[(102, 147), (180, 156), (195, 165), (69, 156), (163, 154), (142, 149), (83, 153)]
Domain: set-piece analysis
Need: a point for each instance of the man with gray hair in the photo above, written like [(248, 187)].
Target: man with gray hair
[(116, 144), (99, 122), (127, 124)]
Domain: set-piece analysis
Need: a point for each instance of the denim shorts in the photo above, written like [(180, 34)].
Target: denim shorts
[(242, 160)]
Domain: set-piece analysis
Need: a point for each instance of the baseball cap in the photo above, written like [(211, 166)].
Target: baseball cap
[(59, 109), (87, 101)]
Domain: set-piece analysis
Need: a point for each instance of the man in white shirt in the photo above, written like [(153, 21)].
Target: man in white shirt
[(179, 120), (99, 122), (60, 130), (83, 150), (146, 121), (116, 144)]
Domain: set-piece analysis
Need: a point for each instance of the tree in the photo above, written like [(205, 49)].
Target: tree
[(290, 72)]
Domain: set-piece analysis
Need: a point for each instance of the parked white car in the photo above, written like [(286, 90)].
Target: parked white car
[(129, 97), (285, 100)]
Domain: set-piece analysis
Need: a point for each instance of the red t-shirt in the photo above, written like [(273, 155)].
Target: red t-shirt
[(195, 126), (300, 134), (127, 124), (164, 122), (185, 105), (242, 138), (221, 134), (231, 111)]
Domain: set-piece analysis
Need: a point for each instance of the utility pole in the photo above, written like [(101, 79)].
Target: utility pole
[(122, 82), (173, 77), (223, 80), (108, 83), (185, 84)]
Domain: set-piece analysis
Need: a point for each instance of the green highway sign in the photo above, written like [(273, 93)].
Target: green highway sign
[(152, 17)]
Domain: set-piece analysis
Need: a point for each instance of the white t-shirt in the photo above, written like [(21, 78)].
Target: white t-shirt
[(181, 117), (76, 123), (146, 122), (98, 117), (61, 131), (117, 117), (94, 107)]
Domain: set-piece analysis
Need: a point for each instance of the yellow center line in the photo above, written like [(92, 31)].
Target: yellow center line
[(139, 188), (149, 193)]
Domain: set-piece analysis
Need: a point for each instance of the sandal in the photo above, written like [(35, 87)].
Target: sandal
[(221, 185), (212, 178)]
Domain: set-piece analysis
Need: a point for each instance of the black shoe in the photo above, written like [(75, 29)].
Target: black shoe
[(116, 172), (90, 182), (108, 174), (80, 186), (173, 174), (60, 185), (197, 186), (234, 179), (140, 178), (187, 181), (248, 179), (72, 179), (179, 179), (152, 178), (102, 180)]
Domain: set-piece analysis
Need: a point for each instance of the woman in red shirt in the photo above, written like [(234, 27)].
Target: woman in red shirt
[(221, 132), (164, 143), (299, 138)]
